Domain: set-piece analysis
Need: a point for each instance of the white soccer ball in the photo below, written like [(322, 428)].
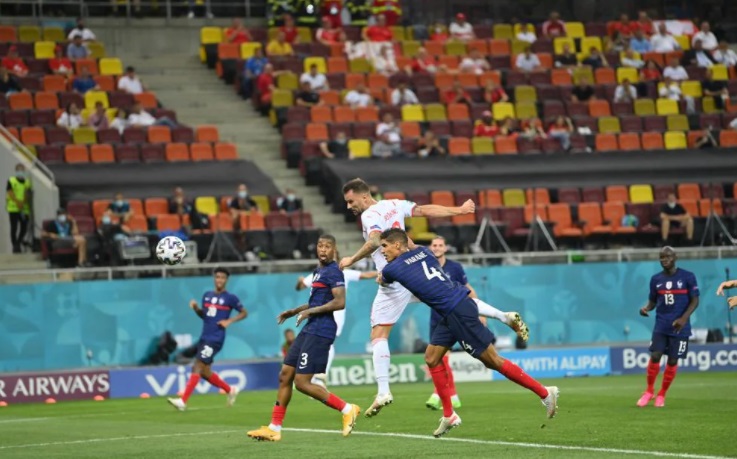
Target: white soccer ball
[(170, 250)]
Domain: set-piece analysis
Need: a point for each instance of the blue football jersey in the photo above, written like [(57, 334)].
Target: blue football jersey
[(419, 272), (671, 295), (456, 273), (217, 307), (324, 280)]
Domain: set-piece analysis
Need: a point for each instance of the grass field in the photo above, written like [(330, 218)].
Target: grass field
[(597, 419)]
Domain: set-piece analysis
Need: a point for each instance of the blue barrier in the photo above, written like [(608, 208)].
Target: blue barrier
[(565, 362)]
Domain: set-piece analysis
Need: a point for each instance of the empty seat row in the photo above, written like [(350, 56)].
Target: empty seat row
[(45, 100), (147, 153)]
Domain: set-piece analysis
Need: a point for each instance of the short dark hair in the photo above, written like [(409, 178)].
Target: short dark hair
[(220, 269), (395, 235), (328, 237), (356, 185)]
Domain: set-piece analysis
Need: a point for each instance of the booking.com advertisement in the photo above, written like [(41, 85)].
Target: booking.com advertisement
[(709, 357)]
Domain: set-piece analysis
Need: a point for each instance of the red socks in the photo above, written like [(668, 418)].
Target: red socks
[(517, 375), (451, 380), (653, 368), (335, 402), (440, 379), (277, 414), (191, 384), (215, 380), (668, 376)]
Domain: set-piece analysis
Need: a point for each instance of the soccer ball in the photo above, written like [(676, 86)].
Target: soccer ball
[(171, 250)]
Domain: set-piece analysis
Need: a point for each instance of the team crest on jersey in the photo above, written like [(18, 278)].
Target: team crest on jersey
[(222, 301), (668, 285), (680, 284), (316, 278)]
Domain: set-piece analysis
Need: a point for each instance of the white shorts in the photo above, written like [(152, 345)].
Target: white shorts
[(339, 317), (389, 304)]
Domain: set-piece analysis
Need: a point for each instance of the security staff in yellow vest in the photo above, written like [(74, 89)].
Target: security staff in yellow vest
[(360, 11), (18, 205), (306, 12), (276, 9)]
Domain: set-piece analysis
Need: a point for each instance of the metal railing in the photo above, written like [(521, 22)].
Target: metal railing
[(28, 154)]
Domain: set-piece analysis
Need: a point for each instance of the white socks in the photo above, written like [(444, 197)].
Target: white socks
[(275, 427), (487, 310), (347, 408), (381, 364)]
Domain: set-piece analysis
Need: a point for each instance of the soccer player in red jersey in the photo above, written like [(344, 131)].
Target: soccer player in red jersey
[(674, 295)]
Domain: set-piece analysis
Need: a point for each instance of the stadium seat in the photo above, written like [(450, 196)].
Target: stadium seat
[(76, 154), (652, 141), (490, 198), (33, 136), (20, 101), (677, 123), (720, 72), (8, 34), (413, 113), (589, 213), (207, 133), (689, 191), (410, 129), (644, 107), (691, 88), (201, 151), (225, 152), (606, 142), (503, 110), (666, 107), (44, 49), (359, 148), (728, 138), (177, 152), (559, 42), (482, 145), (92, 97), (207, 205), (505, 144), (627, 73), (613, 211), (513, 197), (537, 195), (599, 108), (706, 206), (609, 125), (675, 141), (442, 198), (84, 135), (560, 215), (641, 194), (102, 154), (418, 229), (629, 141), (29, 34), (433, 112), (371, 113), (159, 134), (111, 66), (617, 193), (459, 146), (147, 100), (168, 222)]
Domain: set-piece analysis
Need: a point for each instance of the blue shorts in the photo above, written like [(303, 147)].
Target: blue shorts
[(675, 347), (206, 351), (309, 354), (462, 325)]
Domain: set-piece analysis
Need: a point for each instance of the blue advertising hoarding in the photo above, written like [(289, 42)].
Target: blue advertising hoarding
[(701, 357), (563, 362)]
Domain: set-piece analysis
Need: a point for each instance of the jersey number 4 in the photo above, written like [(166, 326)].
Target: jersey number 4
[(669, 299), (432, 273)]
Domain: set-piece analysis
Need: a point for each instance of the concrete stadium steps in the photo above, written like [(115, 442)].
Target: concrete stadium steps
[(23, 262), (186, 86)]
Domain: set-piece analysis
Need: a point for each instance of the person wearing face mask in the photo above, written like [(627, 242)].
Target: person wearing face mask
[(674, 213), (63, 232), (109, 232), (242, 203), (119, 209), (18, 205), (289, 202), (336, 148)]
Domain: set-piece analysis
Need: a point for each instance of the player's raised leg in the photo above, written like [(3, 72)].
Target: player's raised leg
[(272, 432), (512, 319), (213, 378)]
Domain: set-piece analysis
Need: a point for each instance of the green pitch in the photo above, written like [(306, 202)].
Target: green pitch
[(597, 419)]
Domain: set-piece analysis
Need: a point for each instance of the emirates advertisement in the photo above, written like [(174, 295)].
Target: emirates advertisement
[(37, 387)]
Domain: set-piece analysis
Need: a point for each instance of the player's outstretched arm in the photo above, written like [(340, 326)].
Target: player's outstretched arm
[(290, 313), (372, 243), (369, 275), (242, 314), (300, 284), (435, 211), (726, 286), (645, 310)]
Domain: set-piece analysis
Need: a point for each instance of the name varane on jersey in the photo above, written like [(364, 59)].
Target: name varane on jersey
[(385, 214), (217, 307), (672, 295)]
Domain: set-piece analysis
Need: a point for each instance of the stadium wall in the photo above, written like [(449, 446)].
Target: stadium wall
[(108, 323)]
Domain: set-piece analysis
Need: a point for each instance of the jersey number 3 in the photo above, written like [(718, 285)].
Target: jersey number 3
[(432, 272)]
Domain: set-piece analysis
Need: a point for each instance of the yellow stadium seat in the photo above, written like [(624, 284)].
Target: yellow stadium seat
[(683, 41), (304, 34), (675, 140), (111, 66), (525, 110), (525, 93), (398, 33), (249, 49), (92, 97), (455, 48), (418, 229), (503, 110), (84, 135), (434, 112), (410, 48), (97, 49), (560, 41), (644, 107), (359, 65), (262, 202), (581, 72), (708, 105), (55, 34), (590, 42), (641, 194), (691, 88), (282, 98), (628, 73), (44, 49), (207, 205), (609, 125), (677, 123), (503, 31), (720, 72), (209, 35), (287, 81), (482, 145), (29, 34), (518, 46), (413, 113), (322, 66), (359, 148), (575, 30), (514, 197), (666, 107)]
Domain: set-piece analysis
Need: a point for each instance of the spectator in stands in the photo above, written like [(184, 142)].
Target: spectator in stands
[(528, 61), (494, 93), (644, 24), (289, 333), (423, 62), (108, 232), (306, 96), (675, 71), (379, 32), (98, 119), (672, 212), (595, 59), (508, 127), (457, 95), (328, 34), (486, 126), (630, 59), (428, 145), (724, 55), (624, 27), (474, 63), (119, 208), (527, 33), (625, 92), (291, 34), (317, 81), (237, 33), (716, 89), (554, 27), (179, 204), (61, 65), (130, 82), (279, 46), (706, 140), (8, 83), (384, 62), (252, 68), (663, 42), (389, 138), (532, 129), (651, 72), (697, 56), (63, 232), (242, 203), (706, 37), (336, 148), (672, 90), (568, 59), (460, 29), (81, 30), (70, 118), (439, 33), (139, 117), (265, 84), (561, 129), (618, 44), (640, 43), (77, 49), (289, 203), (15, 64), (358, 97), (84, 82), (402, 95), (18, 205), (583, 91), (120, 122)]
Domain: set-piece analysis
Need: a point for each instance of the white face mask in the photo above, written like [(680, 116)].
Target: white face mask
[(672, 205), (242, 194), (62, 218)]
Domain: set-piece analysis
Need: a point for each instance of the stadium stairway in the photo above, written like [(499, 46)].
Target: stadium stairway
[(22, 262), (183, 84)]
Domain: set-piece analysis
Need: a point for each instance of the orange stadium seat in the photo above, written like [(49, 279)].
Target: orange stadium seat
[(159, 134), (490, 198), (410, 129), (201, 152), (33, 136), (617, 193), (147, 100), (225, 152), (102, 153), (76, 154), (177, 152), (505, 145), (321, 114), (316, 131), (442, 198), (207, 133), (344, 114), (168, 222), (459, 146)]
